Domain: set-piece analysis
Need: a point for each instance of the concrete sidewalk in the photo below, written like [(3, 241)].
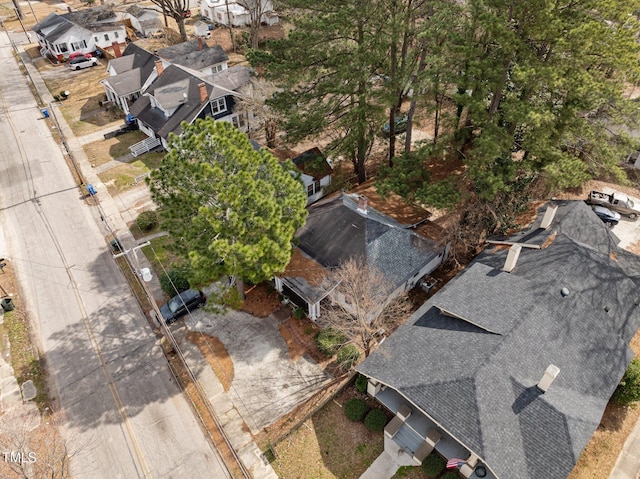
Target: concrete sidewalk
[(628, 464)]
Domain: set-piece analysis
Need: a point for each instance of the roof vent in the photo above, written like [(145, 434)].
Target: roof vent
[(547, 378), (549, 214), (512, 258), (564, 292)]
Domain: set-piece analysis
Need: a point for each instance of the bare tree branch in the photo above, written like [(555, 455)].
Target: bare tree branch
[(362, 309)]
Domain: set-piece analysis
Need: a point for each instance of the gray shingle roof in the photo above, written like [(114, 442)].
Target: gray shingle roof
[(171, 87), (229, 80), (481, 386), (53, 27), (188, 55), (133, 68), (336, 231)]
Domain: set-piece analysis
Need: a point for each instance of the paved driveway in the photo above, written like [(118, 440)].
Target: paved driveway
[(627, 230), (266, 384)]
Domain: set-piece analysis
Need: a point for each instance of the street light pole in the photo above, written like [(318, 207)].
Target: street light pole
[(144, 272)]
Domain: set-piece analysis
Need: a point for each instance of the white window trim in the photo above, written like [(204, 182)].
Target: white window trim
[(220, 103)]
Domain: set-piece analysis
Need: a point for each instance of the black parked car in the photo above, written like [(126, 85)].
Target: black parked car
[(179, 305), (611, 218)]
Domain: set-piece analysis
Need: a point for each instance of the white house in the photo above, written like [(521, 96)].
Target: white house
[(234, 13), (343, 227), (59, 37), (80, 31), (145, 21)]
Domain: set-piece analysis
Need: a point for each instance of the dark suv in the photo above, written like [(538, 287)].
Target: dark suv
[(82, 62), (181, 304)]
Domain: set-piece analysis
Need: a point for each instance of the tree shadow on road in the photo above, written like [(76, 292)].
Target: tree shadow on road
[(109, 365)]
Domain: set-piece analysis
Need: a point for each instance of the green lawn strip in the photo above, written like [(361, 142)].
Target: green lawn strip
[(25, 362), (163, 255), (133, 281), (122, 177)]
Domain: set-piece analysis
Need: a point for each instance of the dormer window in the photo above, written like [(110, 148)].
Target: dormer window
[(218, 106)]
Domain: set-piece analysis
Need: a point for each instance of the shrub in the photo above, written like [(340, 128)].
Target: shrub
[(628, 391), (329, 341), (233, 298), (375, 420), (433, 464), (348, 356), (361, 383), (355, 409), (147, 220), (450, 475), (178, 279), (298, 313)]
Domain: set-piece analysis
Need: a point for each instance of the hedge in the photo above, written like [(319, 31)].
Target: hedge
[(433, 464), (147, 220), (361, 383), (356, 409), (178, 279), (375, 420)]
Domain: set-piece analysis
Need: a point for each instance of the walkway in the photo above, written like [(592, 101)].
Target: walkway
[(99, 135)]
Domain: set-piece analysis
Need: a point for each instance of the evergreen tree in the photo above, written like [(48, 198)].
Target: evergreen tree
[(232, 210), (324, 68)]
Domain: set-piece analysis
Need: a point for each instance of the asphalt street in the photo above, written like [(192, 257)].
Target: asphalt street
[(125, 416)]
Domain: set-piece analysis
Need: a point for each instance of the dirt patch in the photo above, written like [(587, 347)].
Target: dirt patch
[(602, 451), (261, 300), (216, 355), (206, 419), (299, 335)]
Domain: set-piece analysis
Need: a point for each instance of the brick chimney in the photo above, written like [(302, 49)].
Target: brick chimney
[(199, 43), (362, 204), (116, 50), (159, 67), (203, 92)]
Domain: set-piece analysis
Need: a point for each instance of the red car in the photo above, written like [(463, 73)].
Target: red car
[(186, 13), (79, 54)]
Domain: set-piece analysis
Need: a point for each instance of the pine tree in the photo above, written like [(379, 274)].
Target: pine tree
[(324, 68), (231, 209)]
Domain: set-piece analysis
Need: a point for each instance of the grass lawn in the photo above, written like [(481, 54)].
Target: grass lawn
[(123, 176), (328, 446), (101, 151)]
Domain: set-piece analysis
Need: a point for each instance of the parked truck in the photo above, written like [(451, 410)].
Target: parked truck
[(615, 202)]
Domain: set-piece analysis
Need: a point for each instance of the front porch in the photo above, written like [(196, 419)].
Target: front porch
[(411, 436)]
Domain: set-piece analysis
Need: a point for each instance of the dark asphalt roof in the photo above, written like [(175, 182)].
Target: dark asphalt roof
[(188, 55), (336, 231), (175, 88), (481, 385)]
